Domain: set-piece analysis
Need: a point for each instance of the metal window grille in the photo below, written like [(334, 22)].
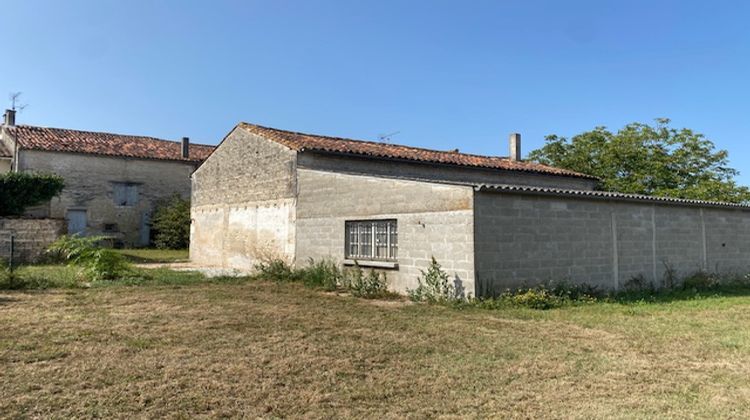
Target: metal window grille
[(371, 240)]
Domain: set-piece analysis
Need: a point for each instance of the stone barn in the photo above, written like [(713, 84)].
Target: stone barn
[(492, 222), (112, 181)]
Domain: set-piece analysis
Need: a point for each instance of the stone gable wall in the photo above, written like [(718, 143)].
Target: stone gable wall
[(243, 204)]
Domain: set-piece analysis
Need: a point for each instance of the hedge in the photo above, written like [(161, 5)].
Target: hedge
[(20, 190)]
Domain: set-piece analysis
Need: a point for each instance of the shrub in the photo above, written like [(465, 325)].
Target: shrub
[(277, 270), (171, 224), (372, 285), (98, 263), (536, 298), (701, 281), (20, 190), (578, 291), (638, 284), (324, 273), (434, 286), (327, 275)]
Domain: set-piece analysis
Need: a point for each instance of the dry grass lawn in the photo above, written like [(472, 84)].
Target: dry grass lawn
[(260, 349)]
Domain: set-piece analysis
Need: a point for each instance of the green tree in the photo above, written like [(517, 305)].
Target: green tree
[(20, 190), (648, 159), (171, 224)]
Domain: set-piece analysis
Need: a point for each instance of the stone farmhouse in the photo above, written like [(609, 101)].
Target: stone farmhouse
[(492, 222), (112, 181)]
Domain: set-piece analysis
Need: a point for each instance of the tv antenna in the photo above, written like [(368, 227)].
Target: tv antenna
[(386, 138), (15, 102)]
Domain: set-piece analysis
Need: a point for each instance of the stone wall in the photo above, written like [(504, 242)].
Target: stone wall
[(527, 239), (32, 237), (89, 187), (433, 220), (243, 203)]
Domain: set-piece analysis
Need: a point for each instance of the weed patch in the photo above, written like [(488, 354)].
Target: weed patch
[(326, 275)]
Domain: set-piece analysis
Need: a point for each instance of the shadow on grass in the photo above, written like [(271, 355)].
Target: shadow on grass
[(148, 255), (4, 300), (44, 277), (167, 277)]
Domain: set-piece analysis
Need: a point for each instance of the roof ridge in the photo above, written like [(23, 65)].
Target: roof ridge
[(55, 139), (134, 136), (375, 142), (296, 140)]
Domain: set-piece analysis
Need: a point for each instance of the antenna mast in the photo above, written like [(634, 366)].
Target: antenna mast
[(15, 103), (386, 138)]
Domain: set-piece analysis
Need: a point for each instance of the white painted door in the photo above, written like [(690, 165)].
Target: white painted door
[(76, 221)]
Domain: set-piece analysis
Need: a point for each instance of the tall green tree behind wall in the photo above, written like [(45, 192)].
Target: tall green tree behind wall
[(648, 159), (171, 223)]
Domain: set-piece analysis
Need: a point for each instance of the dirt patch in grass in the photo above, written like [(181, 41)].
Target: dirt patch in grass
[(260, 349)]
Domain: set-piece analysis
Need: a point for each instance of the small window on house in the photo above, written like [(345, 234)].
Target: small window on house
[(371, 240), (125, 194)]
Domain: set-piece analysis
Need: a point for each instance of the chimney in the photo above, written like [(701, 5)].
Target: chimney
[(185, 147), (10, 117), (515, 147)]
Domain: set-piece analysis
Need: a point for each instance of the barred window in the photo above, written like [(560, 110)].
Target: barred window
[(371, 240)]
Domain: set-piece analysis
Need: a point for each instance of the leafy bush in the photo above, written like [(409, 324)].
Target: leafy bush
[(536, 298), (540, 297), (701, 281), (171, 224), (324, 273), (372, 285), (637, 284), (434, 286), (98, 263), (276, 270), (20, 190)]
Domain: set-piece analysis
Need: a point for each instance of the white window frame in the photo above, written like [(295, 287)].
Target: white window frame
[(391, 240)]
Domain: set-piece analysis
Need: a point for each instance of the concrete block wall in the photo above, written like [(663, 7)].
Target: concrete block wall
[(243, 204), (433, 220), (727, 240), (32, 237), (523, 240), (433, 172)]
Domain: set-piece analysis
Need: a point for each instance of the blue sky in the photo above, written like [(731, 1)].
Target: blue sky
[(444, 74)]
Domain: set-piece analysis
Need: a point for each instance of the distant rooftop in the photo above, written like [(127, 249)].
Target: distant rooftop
[(107, 144)]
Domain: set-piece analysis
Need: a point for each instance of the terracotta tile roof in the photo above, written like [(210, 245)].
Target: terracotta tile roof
[(312, 142), (76, 141), (605, 195), (4, 152)]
